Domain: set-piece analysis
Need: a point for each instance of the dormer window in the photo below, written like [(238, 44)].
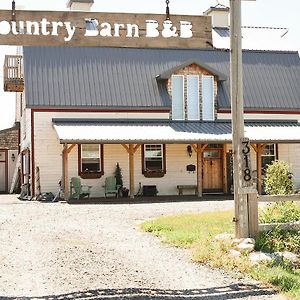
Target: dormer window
[(193, 97)]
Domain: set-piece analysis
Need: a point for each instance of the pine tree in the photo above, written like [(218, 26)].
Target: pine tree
[(118, 175)]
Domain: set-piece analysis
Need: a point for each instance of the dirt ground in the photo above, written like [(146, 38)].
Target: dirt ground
[(62, 251)]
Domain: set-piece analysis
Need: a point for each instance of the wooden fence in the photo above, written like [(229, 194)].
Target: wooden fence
[(254, 200)]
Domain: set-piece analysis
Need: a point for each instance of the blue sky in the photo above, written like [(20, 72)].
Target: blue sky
[(273, 13)]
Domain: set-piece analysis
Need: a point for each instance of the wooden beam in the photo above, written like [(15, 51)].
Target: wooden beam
[(65, 155), (254, 147), (260, 149), (252, 214), (136, 147), (225, 179), (68, 150), (126, 148), (199, 170), (131, 170)]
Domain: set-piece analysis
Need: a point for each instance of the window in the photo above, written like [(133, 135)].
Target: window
[(177, 97), (268, 156), (154, 164), (186, 97), (90, 160), (193, 98), (208, 98)]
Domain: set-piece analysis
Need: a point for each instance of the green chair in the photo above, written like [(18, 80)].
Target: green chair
[(78, 190), (111, 187)]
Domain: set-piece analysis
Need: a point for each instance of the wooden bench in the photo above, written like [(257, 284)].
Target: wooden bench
[(182, 187)]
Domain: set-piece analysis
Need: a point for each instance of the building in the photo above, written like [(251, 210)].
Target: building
[(162, 114), (9, 149)]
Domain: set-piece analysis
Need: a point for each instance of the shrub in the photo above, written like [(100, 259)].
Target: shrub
[(278, 179)]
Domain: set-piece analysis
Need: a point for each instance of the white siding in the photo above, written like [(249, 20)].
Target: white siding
[(178, 97), (193, 97), (290, 153), (208, 105)]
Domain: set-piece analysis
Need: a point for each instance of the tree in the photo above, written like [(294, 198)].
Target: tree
[(278, 179), (118, 175)]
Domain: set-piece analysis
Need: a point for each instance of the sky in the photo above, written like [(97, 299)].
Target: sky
[(271, 13)]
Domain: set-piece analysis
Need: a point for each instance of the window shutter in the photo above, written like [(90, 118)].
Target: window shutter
[(177, 97), (193, 98), (208, 98)]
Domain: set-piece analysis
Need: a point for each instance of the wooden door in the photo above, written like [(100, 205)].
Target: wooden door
[(212, 171), (3, 171)]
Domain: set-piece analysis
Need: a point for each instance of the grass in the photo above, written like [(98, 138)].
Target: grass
[(197, 231)]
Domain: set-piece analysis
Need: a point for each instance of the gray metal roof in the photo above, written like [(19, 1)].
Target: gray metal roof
[(100, 78), (165, 131)]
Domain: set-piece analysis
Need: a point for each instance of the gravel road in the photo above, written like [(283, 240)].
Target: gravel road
[(61, 251)]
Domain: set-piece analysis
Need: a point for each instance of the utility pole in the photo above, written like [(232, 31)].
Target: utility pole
[(237, 110)]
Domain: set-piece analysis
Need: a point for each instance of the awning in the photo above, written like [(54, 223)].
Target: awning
[(79, 131)]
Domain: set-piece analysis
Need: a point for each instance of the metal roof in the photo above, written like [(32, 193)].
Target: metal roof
[(92, 77), (165, 131)]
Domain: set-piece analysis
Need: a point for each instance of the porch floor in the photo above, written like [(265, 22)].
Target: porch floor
[(154, 199)]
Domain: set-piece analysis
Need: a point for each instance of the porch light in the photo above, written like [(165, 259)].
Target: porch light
[(189, 150)]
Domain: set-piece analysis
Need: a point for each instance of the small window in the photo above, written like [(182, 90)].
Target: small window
[(177, 97), (268, 156), (208, 103), (90, 160), (154, 160), (91, 24)]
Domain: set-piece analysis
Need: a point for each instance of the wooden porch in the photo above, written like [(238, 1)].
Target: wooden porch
[(13, 73)]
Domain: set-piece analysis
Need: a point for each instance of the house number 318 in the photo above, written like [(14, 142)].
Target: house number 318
[(246, 154)]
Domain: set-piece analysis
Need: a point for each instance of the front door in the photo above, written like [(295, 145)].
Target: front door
[(212, 170), (3, 171)]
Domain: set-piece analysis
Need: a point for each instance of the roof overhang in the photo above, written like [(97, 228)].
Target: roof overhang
[(95, 131)]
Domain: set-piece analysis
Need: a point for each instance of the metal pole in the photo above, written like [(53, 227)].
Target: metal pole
[(237, 111)]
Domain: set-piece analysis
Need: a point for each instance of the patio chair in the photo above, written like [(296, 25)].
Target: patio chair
[(111, 186), (78, 190)]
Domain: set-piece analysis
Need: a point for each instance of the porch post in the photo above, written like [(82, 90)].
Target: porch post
[(131, 150), (199, 170), (131, 170), (199, 149), (260, 149), (65, 155), (65, 172), (225, 186)]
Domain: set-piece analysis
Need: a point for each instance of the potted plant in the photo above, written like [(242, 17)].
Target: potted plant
[(124, 191)]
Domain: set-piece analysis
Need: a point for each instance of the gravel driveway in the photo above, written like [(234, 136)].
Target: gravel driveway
[(61, 251)]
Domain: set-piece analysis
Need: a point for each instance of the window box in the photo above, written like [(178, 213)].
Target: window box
[(154, 173), (90, 175)]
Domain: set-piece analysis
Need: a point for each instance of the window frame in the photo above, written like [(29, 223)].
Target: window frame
[(154, 174), (267, 155), (183, 97), (90, 174)]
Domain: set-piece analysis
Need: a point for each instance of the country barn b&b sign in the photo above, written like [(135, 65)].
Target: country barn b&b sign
[(65, 28)]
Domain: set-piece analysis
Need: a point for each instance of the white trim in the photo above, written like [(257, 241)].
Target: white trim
[(183, 97), (198, 97)]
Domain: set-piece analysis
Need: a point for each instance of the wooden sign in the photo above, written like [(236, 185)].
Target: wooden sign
[(68, 28)]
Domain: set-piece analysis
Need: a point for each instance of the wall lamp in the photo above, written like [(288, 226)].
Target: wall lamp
[(189, 150), (13, 157)]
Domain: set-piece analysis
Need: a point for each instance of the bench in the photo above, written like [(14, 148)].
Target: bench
[(182, 187)]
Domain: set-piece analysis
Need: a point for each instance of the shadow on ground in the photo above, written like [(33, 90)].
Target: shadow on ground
[(154, 199), (237, 291)]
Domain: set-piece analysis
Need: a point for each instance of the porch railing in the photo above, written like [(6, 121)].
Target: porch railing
[(13, 73)]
